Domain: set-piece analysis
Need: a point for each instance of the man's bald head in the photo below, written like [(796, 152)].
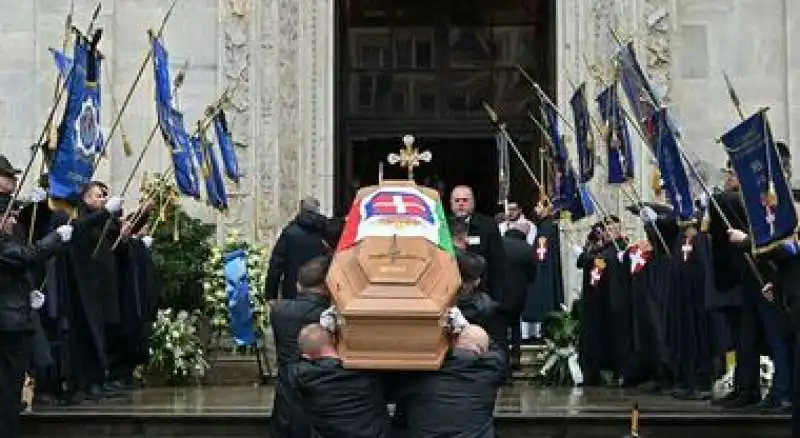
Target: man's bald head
[(473, 338), (462, 201), (315, 342)]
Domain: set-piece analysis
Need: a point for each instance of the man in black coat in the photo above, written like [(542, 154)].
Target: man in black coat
[(302, 240), (483, 238), (521, 272), (16, 313), (287, 317), (339, 402), (459, 399)]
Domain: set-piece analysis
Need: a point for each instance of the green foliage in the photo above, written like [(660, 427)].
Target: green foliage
[(561, 333), (176, 353), (181, 245)]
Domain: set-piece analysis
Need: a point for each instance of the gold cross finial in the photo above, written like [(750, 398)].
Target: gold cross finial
[(409, 157)]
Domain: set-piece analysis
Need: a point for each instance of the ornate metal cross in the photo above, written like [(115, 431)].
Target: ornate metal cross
[(409, 157)]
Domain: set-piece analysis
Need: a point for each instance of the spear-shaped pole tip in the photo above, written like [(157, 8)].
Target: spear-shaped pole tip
[(492, 113)]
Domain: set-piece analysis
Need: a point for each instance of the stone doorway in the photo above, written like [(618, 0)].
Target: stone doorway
[(424, 68)]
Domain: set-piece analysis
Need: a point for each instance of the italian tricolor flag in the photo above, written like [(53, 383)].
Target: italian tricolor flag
[(397, 211)]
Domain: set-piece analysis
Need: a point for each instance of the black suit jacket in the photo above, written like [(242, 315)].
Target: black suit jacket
[(456, 401), (521, 271), (340, 402), (484, 239)]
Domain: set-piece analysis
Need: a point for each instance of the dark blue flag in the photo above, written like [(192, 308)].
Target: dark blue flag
[(63, 62), (673, 174), (583, 134), (767, 197), (587, 200), (237, 288), (171, 122), (617, 138), (226, 147), (80, 138), (215, 184)]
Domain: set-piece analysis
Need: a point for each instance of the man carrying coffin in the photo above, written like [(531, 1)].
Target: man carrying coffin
[(459, 399), (339, 402), (287, 318)]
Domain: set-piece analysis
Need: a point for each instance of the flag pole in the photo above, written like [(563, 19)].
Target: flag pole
[(501, 127), (126, 101)]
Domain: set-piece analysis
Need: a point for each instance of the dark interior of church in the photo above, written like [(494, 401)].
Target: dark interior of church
[(425, 68)]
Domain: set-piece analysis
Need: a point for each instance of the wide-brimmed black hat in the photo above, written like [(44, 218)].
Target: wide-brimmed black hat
[(6, 169)]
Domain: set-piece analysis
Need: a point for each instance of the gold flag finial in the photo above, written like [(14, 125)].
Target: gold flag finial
[(409, 157)]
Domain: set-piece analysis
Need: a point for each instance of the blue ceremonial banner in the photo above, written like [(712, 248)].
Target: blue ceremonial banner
[(80, 138), (637, 88), (226, 147), (550, 115), (583, 134), (215, 185), (767, 197), (63, 63), (173, 129), (617, 138), (671, 167), (587, 200), (237, 287)]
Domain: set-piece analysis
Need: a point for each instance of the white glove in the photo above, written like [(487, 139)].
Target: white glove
[(64, 232), (456, 322), (736, 236), (147, 241), (37, 299), (330, 319), (647, 214), (37, 195), (620, 256), (113, 204)]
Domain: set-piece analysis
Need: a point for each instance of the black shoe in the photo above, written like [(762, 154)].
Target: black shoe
[(725, 399), (95, 393)]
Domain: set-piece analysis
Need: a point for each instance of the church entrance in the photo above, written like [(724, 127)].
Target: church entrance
[(424, 68)]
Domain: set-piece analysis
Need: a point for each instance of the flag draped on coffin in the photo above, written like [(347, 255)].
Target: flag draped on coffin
[(204, 154), (226, 147), (397, 211), (63, 62), (583, 135), (616, 136), (237, 287), (172, 125), (671, 167), (767, 198), (80, 138)]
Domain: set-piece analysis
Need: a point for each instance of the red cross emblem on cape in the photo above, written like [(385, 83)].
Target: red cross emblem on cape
[(541, 249), (597, 272)]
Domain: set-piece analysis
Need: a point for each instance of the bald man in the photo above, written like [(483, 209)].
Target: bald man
[(483, 238), (459, 399), (339, 402)]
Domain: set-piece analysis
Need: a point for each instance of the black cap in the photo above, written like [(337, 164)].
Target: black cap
[(6, 169)]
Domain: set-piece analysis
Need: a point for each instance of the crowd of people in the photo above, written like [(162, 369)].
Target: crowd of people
[(77, 297)]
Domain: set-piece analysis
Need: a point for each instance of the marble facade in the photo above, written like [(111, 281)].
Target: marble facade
[(279, 56)]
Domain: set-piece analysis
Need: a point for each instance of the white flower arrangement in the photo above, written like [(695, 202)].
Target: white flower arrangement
[(176, 350), (215, 295)]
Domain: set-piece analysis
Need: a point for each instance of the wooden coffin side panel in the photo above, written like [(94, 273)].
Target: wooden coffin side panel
[(393, 343)]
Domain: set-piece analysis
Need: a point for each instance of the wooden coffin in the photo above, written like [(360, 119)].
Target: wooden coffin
[(393, 293)]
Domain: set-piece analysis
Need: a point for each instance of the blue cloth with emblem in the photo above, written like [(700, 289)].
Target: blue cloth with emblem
[(767, 197), (564, 180), (237, 288), (80, 138), (617, 138), (226, 147), (215, 185), (671, 167), (172, 125), (583, 135)]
